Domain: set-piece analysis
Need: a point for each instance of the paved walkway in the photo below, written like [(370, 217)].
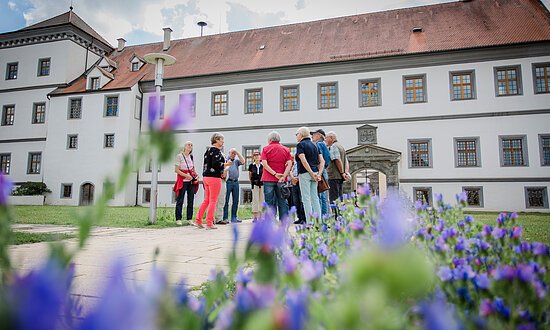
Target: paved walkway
[(184, 252)]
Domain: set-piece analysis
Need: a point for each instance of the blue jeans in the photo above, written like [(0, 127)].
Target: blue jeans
[(323, 200), (232, 189), (274, 200), (310, 197)]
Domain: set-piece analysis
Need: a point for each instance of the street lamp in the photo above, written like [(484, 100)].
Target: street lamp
[(159, 60)]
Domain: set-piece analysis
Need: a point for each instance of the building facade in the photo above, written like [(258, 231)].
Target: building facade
[(423, 103)]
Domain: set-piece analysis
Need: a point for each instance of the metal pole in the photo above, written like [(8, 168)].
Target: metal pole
[(154, 162)]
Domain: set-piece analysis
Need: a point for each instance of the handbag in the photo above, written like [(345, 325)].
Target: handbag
[(284, 189), (322, 185)]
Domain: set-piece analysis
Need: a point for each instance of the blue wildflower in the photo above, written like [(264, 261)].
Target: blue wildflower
[(540, 249), (499, 233), (311, 270), (6, 187), (445, 273), (501, 308), (482, 281), (438, 314), (297, 303), (243, 276), (225, 317), (462, 198), (505, 272), (290, 262), (323, 249), (394, 225), (332, 259), (486, 308), (364, 189), (267, 235), (468, 219), (357, 225)]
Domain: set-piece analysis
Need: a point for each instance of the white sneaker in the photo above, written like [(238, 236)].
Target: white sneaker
[(179, 223)]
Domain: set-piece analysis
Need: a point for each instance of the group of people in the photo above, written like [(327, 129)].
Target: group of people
[(275, 176)]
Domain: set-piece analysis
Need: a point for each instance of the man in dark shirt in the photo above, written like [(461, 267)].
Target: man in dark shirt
[(233, 185)]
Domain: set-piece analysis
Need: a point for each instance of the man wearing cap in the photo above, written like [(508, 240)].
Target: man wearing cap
[(233, 185), (255, 171), (318, 138)]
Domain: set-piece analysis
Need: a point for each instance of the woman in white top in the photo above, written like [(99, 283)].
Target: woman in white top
[(187, 180)]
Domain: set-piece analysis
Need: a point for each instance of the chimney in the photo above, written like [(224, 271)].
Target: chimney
[(121, 44), (167, 32)]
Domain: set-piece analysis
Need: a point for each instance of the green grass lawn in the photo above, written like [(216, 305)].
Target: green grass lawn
[(28, 238), (135, 217), (536, 226)]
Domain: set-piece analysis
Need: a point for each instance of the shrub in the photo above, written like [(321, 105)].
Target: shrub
[(31, 189)]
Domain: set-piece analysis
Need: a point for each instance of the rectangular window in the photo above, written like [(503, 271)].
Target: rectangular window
[(414, 88), (423, 194), (135, 66), (8, 115), (66, 190), (11, 71), (193, 109), (5, 163), (474, 196), (39, 113), (75, 108), (536, 197), (137, 108), (247, 196), (109, 141), (94, 83), (420, 153), (513, 150), (542, 78), (508, 81), (467, 152), (152, 103), (544, 141), (43, 67), (328, 95), (462, 85), (369, 92), (111, 106), (146, 195), (219, 103), (253, 100), (290, 98), (72, 141), (34, 162), (248, 154)]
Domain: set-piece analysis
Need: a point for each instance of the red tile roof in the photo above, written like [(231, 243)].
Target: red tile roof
[(448, 26)]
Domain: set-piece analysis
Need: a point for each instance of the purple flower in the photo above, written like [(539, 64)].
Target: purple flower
[(394, 225), (487, 230), (517, 232), (323, 249), (420, 206), (441, 245), (464, 272), (460, 245), (290, 262), (540, 288), (225, 317), (440, 225), (6, 187), (40, 297), (499, 233), (297, 303), (267, 235), (525, 273), (462, 198), (332, 259), (501, 308), (181, 114), (243, 277), (357, 225), (505, 272), (438, 314), (119, 305), (482, 281), (311, 270), (445, 274), (526, 326), (486, 308), (304, 255), (540, 249), (254, 296), (363, 189), (468, 219), (154, 110)]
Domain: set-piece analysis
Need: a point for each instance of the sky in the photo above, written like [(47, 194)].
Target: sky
[(141, 21)]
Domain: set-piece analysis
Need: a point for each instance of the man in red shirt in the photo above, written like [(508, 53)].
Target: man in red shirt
[(277, 162)]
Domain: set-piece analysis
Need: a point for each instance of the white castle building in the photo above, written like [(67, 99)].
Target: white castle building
[(435, 99)]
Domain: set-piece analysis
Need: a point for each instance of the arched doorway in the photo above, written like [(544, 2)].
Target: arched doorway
[(377, 165), (86, 194)]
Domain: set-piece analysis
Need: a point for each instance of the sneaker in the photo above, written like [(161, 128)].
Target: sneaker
[(211, 227), (198, 225), (236, 221), (179, 223), (222, 222)]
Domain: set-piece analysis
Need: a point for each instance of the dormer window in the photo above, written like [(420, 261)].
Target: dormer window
[(94, 83), (135, 66)]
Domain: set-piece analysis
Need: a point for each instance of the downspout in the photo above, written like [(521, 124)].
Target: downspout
[(140, 119)]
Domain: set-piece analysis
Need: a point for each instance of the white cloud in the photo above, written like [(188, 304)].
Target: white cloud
[(12, 5)]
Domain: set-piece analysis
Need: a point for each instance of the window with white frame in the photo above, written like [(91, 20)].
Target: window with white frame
[(253, 100), (193, 110), (66, 190), (536, 197), (153, 104), (462, 85), (220, 103), (544, 142), (474, 196), (414, 89), (369, 92), (467, 153), (248, 154), (513, 150), (72, 141), (290, 98), (423, 194), (75, 108), (111, 106), (8, 115), (5, 163), (34, 163), (328, 95), (247, 196), (508, 81), (109, 141), (420, 153), (94, 83), (39, 113)]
